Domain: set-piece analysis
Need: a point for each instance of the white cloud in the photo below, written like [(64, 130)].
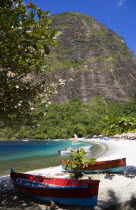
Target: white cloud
[(120, 3)]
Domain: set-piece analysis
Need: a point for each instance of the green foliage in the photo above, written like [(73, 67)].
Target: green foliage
[(63, 120), (25, 42), (120, 117), (130, 107), (77, 162), (120, 124)]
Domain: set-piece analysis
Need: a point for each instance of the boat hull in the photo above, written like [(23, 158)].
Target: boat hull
[(62, 191), (60, 199), (109, 166), (69, 201)]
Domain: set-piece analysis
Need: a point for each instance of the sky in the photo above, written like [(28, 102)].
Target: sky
[(118, 15)]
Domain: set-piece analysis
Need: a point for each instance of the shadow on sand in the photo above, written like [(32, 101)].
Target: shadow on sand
[(130, 172), (113, 203)]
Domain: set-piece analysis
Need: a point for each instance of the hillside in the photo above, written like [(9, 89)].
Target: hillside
[(93, 60)]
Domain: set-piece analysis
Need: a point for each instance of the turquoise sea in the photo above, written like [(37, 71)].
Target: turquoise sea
[(36, 154)]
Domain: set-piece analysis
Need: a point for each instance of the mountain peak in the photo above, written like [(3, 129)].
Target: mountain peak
[(92, 58)]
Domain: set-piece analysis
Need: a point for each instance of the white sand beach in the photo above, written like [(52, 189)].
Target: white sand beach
[(118, 188), (114, 188)]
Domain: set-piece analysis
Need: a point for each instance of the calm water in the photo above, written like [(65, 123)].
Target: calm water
[(36, 154)]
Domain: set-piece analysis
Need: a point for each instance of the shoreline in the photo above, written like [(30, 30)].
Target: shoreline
[(122, 186), (114, 188)]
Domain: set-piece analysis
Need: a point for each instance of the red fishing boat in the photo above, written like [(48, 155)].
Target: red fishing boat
[(110, 166), (82, 192)]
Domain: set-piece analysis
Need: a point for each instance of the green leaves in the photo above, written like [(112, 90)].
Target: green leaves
[(120, 124), (25, 40), (63, 120), (77, 162)]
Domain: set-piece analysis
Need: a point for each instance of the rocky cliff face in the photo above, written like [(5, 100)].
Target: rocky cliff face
[(92, 59)]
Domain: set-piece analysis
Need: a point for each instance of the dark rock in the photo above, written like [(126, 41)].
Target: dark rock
[(93, 60)]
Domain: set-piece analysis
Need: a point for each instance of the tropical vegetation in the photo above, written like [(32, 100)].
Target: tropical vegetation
[(27, 83), (100, 116)]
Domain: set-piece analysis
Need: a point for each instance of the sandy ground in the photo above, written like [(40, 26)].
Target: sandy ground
[(116, 191)]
